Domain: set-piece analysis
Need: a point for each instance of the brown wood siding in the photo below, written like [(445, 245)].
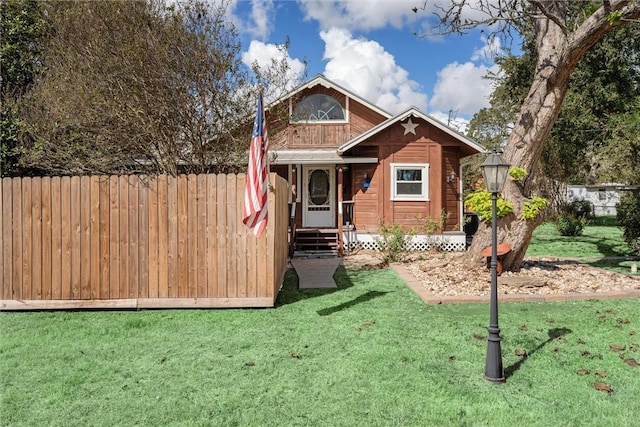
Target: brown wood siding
[(392, 146), (450, 191), (325, 135)]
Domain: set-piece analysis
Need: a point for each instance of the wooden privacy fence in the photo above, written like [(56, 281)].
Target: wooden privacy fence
[(138, 242)]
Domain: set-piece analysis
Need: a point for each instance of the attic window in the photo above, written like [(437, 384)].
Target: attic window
[(318, 108)]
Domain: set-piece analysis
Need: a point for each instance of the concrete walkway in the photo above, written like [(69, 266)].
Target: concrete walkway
[(431, 298), (316, 273)]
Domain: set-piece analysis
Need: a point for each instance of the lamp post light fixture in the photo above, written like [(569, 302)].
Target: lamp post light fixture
[(494, 171)]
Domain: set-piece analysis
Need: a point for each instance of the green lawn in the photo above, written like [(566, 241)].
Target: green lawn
[(369, 354), (600, 240)]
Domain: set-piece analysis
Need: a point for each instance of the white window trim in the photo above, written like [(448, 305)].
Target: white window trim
[(425, 182), (345, 109)]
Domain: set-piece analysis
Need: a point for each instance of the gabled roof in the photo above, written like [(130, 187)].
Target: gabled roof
[(323, 81), (411, 112)]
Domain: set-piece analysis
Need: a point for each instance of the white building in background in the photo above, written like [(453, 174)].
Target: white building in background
[(603, 197)]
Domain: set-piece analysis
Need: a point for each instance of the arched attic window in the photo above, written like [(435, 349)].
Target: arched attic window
[(318, 108)]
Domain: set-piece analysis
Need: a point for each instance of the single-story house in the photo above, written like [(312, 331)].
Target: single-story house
[(350, 164), (603, 197)]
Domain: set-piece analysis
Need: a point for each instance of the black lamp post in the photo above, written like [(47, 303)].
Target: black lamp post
[(494, 171)]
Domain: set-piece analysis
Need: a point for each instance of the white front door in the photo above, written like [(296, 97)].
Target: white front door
[(318, 197)]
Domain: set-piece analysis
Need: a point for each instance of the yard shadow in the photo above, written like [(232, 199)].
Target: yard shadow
[(290, 293), (553, 334), (367, 296)]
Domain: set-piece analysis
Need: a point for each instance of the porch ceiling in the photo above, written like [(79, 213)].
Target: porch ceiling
[(306, 157)]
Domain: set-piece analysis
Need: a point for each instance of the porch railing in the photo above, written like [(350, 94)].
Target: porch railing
[(347, 223), (292, 229)]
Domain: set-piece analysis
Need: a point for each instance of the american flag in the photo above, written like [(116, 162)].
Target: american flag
[(255, 212)]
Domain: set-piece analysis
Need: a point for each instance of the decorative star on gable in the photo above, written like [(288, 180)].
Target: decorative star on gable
[(409, 127)]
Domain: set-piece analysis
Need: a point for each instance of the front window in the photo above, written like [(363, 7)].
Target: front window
[(409, 181), (317, 108)]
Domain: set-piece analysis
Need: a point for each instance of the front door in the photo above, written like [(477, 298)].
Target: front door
[(318, 198)]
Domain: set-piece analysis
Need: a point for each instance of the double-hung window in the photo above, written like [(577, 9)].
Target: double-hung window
[(410, 181)]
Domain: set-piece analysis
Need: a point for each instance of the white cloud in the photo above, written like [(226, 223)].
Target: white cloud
[(462, 87), (487, 53), (359, 14), (264, 54), (364, 67)]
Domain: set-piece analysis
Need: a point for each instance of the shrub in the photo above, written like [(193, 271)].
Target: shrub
[(569, 224), (534, 207), (393, 242), (480, 202), (580, 208), (431, 227), (628, 215)]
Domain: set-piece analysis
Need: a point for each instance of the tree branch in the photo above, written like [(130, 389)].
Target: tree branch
[(548, 13), (599, 24)]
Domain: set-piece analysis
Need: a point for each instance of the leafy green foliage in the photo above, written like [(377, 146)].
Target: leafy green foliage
[(580, 208), (393, 242), (480, 202), (628, 215), (534, 207), (568, 224), (518, 173), (22, 26), (432, 227)]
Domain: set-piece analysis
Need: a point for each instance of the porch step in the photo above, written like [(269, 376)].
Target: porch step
[(317, 239)]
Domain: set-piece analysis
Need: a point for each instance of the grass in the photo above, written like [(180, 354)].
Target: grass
[(600, 245), (368, 354)]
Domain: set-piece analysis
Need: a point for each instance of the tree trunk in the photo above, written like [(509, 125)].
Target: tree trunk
[(524, 148), (559, 51)]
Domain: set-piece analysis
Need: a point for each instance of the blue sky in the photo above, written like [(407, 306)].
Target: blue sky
[(369, 47)]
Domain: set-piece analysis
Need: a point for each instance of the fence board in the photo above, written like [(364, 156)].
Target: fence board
[(212, 236), (133, 236), (56, 239), (232, 285), (153, 269), (85, 237), (221, 216), (26, 239), (183, 267), (114, 234), (65, 239), (163, 239), (16, 278), (46, 239), (143, 238), (105, 232), (94, 237), (80, 242), (241, 241), (7, 237), (123, 203), (201, 236), (72, 212), (192, 236), (172, 262), (36, 254)]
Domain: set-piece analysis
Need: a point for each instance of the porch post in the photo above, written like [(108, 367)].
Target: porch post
[(340, 216)]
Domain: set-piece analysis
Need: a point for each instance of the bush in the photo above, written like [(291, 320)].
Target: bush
[(628, 215), (480, 202), (569, 224), (393, 242), (580, 208)]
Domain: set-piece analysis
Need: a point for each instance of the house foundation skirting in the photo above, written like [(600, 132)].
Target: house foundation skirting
[(447, 242)]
